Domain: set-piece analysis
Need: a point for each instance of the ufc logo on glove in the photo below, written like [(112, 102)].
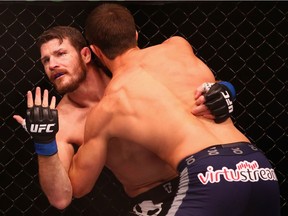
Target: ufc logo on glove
[(228, 101), (42, 124), (39, 128)]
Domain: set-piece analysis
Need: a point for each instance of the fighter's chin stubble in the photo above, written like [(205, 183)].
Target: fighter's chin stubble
[(74, 82)]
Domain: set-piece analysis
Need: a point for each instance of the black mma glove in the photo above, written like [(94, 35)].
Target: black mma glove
[(42, 124), (219, 99)]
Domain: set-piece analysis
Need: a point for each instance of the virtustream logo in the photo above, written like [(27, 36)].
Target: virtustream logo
[(245, 171)]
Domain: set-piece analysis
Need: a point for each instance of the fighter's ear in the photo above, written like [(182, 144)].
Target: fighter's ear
[(136, 35), (86, 54)]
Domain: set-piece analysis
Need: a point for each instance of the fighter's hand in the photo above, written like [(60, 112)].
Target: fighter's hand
[(215, 101), (30, 104), (201, 109), (42, 122)]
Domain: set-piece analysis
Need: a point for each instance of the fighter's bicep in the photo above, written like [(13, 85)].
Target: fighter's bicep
[(95, 142), (91, 156), (86, 166), (96, 124)]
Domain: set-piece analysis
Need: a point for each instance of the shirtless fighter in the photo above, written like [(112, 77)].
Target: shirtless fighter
[(67, 63), (147, 105)]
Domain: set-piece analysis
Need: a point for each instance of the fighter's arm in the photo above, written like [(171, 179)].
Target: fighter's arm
[(211, 102), (90, 158), (54, 179), (53, 169)]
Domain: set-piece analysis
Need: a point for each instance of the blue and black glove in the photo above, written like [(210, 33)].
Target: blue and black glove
[(42, 124), (219, 99)]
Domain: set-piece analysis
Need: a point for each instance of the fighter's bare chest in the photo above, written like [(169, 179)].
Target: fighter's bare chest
[(72, 127)]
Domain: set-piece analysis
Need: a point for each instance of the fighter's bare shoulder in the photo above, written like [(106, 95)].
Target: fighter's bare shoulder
[(177, 41)]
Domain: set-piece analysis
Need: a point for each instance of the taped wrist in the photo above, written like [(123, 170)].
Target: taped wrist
[(47, 149)]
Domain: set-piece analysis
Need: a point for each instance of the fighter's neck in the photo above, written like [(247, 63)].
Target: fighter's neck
[(122, 61), (91, 90)]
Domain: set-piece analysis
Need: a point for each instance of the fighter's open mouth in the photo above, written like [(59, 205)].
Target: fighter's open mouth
[(58, 75)]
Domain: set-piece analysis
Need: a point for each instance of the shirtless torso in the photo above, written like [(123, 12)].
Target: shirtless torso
[(144, 83), (135, 167), (134, 120)]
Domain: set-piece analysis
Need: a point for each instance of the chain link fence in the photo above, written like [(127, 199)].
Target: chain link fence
[(242, 42)]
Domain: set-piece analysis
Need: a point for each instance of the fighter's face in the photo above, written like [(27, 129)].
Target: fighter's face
[(63, 65)]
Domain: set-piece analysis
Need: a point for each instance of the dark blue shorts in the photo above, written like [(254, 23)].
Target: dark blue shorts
[(227, 180)]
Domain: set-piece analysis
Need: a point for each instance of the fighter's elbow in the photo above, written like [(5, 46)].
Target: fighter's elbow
[(61, 203), (80, 188)]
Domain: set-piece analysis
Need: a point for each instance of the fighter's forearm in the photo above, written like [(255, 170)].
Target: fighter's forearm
[(42, 124), (54, 181)]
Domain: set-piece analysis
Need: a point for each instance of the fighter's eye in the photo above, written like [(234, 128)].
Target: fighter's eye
[(61, 53), (45, 61)]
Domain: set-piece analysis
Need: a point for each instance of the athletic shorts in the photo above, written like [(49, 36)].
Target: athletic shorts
[(227, 180), (156, 201)]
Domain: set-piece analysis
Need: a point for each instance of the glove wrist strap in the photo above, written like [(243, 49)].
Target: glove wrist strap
[(47, 149), (230, 87)]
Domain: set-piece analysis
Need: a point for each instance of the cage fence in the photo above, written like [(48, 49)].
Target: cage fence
[(242, 42)]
